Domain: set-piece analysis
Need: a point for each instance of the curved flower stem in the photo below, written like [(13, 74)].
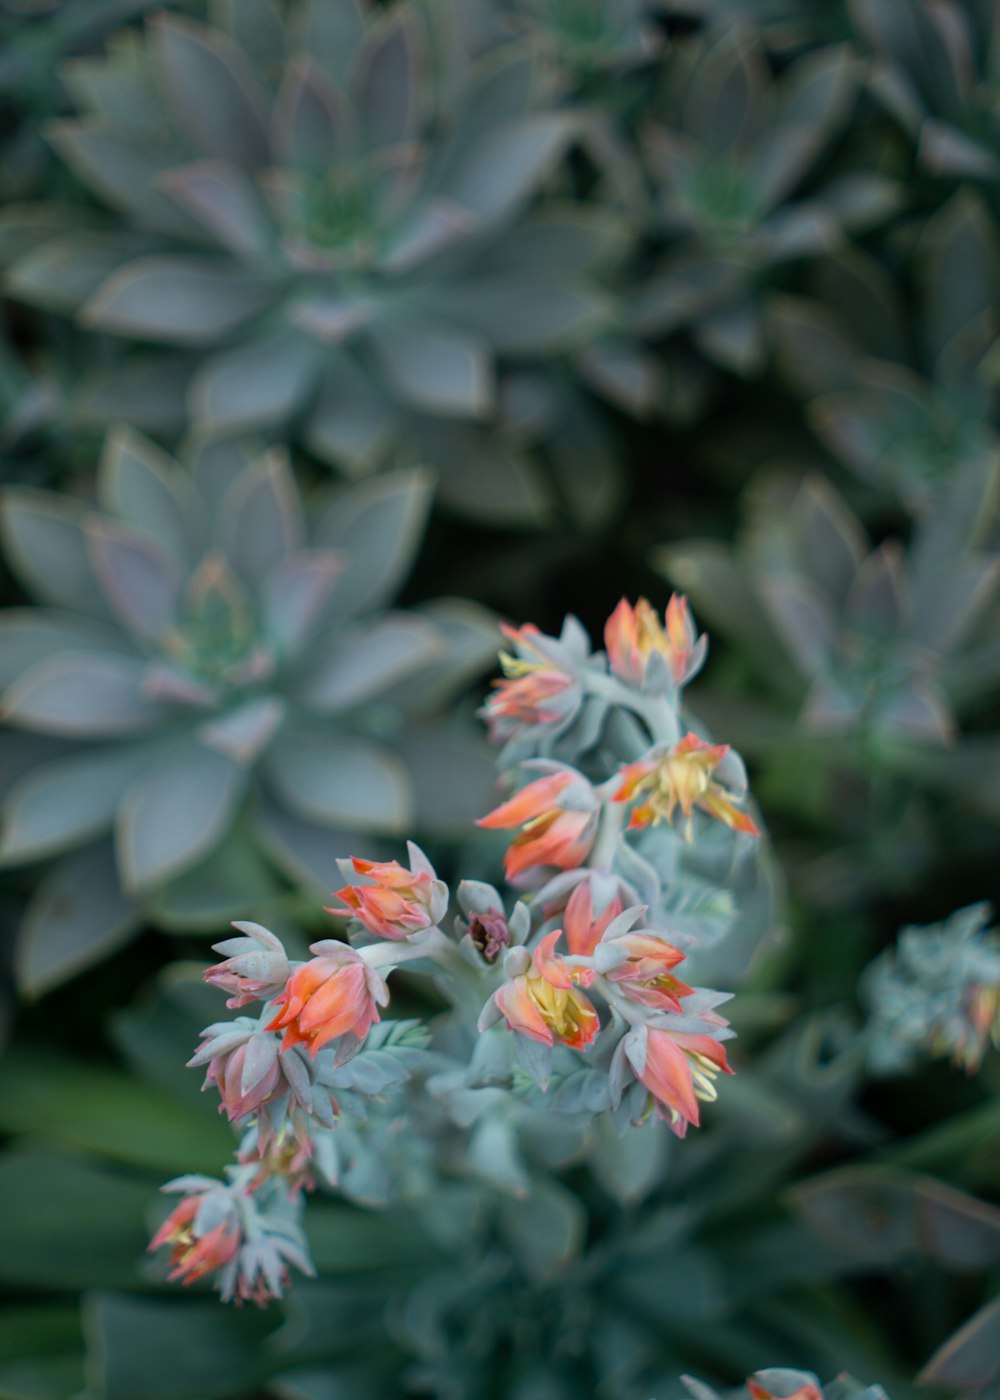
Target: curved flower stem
[(655, 711), (433, 946), (609, 829)]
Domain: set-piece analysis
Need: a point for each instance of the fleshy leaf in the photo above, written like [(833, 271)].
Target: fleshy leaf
[(176, 813), (78, 915), (340, 780)]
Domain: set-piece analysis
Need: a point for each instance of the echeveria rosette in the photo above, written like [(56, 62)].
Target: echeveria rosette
[(725, 150), (319, 224), (882, 661), (932, 72), (904, 397), (222, 690)]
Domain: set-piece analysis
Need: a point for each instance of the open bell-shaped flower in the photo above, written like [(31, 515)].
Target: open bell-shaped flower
[(536, 690), (679, 1068), (646, 973), (544, 1003), (683, 776), (583, 929)]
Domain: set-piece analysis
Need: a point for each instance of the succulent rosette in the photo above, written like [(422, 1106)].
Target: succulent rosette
[(214, 698), (322, 221)]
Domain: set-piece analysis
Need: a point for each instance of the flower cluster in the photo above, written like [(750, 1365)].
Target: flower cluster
[(592, 971), (937, 991)]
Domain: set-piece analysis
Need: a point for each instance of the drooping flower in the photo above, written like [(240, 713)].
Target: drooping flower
[(536, 689), (335, 993), (678, 1068), (543, 1002), (242, 1061), (255, 969), (558, 817), (633, 635), (759, 1387), (247, 1238), (682, 776), (392, 901), (583, 930), (193, 1252), (645, 975)]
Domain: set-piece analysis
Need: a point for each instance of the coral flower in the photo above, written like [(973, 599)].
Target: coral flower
[(243, 1087), (334, 994), (534, 691), (583, 930), (761, 1392), (678, 1070), (394, 902), (553, 831), (633, 635), (544, 1003), (256, 966), (193, 1256), (681, 777), (645, 976)]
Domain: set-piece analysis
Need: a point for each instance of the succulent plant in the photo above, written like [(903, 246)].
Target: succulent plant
[(212, 680), (319, 219), (937, 992), (935, 72), (36, 36), (871, 658), (904, 398), (726, 148)]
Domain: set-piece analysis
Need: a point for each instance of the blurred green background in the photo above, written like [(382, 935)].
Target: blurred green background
[(518, 306)]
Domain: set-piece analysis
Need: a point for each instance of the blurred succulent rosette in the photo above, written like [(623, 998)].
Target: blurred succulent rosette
[(214, 695)]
